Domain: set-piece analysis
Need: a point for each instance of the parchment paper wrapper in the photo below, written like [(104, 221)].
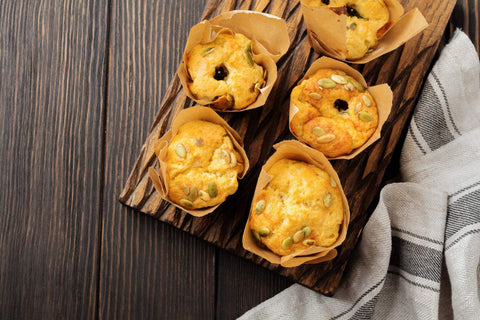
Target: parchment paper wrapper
[(295, 150), (269, 38), (381, 93), (327, 30), (159, 179)]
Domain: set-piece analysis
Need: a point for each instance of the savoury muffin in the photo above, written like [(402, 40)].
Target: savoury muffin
[(367, 22), (336, 114), (223, 71), (300, 207), (202, 165)]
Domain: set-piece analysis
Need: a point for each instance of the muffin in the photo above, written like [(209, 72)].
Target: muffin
[(336, 114), (367, 22), (202, 165), (300, 207), (223, 71)]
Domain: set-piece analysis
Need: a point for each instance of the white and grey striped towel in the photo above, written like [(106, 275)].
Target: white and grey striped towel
[(420, 251)]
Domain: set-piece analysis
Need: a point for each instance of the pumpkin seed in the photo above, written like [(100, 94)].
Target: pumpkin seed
[(352, 26), (186, 203), (247, 53), (356, 85), (349, 86), (203, 195), (327, 200), (358, 107), (287, 243), (225, 155), (263, 231), (186, 190), (212, 189), (298, 236), (326, 83), (364, 116), (318, 131), (332, 182), (338, 79), (307, 231), (256, 235), (367, 101), (344, 114), (193, 194), (199, 142), (207, 51), (315, 96), (260, 206), (308, 242), (180, 150), (233, 159), (326, 138)]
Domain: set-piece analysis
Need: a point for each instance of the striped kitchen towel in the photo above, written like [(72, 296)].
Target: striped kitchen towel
[(419, 256)]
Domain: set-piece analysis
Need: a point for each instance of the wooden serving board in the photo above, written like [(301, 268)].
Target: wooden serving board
[(404, 70)]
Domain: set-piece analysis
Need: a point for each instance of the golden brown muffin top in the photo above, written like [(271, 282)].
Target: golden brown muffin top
[(300, 207), (202, 165), (367, 21), (224, 72), (336, 114)]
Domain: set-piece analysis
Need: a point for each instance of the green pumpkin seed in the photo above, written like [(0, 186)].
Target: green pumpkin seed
[(212, 189), (186, 190), (263, 231), (260, 206), (332, 182), (364, 116), (367, 101), (180, 150), (315, 96), (287, 243), (186, 203), (193, 194), (326, 138), (247, 53), (352, 26), (307, 231), (326, 83), (298, 236), (318, 131), (308, 242), (327, 200), (356, 85), (338, 79), (256, 235), (207, 51)]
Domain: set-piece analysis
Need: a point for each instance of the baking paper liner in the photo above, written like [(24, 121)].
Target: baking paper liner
[(327, 30), (382, 94), (159, 179), (297, 151), (269, 38)]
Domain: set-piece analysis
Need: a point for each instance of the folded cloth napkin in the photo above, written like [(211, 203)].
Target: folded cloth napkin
[(419, 254)]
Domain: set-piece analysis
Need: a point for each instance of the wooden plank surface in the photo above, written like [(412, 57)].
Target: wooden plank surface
[(361, 177), (149, 270), (51, 91), (52, 161)]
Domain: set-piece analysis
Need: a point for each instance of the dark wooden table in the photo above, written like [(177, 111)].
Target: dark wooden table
[(81, 82)]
